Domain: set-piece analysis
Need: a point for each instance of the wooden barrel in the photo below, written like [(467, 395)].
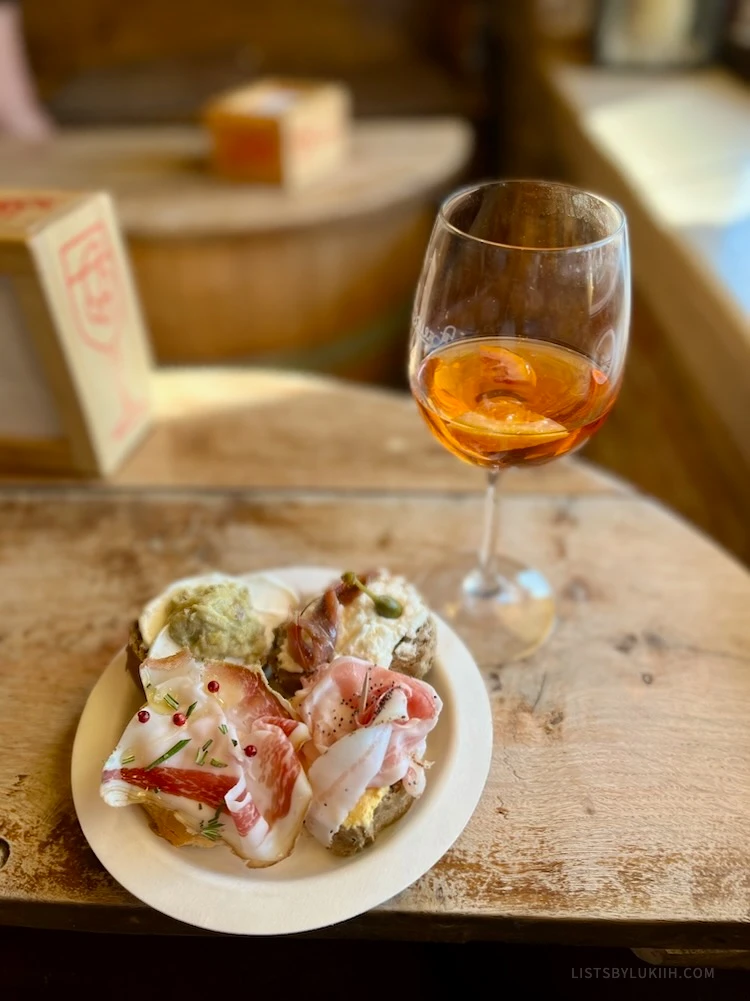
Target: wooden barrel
[(330, 297), (319, 280)]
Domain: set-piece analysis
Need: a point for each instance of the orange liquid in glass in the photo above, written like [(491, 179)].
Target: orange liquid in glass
[(509, 402)]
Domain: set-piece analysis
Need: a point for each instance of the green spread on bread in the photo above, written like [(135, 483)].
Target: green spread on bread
[(215, 621)]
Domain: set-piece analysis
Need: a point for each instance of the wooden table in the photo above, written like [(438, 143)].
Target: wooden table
[(321, 278), (618, 805)]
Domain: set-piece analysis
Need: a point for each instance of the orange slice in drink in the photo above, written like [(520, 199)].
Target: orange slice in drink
[(505, 367), (450, 387), (508, 425)]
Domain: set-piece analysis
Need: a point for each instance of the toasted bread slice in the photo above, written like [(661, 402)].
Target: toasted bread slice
[(136, 652), (415, 655), (350, 839), (166, 825)]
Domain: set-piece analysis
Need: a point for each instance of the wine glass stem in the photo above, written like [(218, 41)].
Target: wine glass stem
[(487, 576)]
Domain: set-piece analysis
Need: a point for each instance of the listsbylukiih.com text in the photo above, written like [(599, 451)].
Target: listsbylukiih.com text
[(642, 973)]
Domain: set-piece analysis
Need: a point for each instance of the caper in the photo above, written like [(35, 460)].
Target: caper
[(386, 606)]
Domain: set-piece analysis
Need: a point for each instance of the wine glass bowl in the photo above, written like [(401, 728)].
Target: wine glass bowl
[(519, 336)]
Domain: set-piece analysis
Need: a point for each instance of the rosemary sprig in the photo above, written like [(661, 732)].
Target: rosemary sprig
[(200, 757), (191, 707), (222, 728), (171, 701), (128, 761), (211, 829), (217, 764), (174, 749)]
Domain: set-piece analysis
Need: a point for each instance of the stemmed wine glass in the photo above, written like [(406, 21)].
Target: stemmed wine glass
[(519, 335)]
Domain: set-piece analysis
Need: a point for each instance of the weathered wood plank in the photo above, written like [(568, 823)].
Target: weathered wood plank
[(253, 428), (618, 805)]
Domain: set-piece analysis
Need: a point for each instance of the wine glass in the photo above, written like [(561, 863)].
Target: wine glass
[(519, 335)]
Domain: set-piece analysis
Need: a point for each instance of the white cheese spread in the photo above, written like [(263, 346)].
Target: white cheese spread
[(365, 634), (361, 632)]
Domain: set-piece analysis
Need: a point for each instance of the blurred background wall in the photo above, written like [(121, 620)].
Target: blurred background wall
[(538, 87), (156, 61)]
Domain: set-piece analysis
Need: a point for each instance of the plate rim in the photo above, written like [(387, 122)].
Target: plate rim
[(395, 865)]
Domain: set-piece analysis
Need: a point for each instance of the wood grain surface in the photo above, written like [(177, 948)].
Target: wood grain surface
[(334, 297), (618, 805), (239, 427), (162, 185)]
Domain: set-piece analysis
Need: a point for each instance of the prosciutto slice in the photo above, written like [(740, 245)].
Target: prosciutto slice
[(368, 729), (199, 771)]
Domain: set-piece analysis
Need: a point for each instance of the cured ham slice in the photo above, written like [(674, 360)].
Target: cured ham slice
[(190, 783), (246, 695), (368, 728), (218, 749)]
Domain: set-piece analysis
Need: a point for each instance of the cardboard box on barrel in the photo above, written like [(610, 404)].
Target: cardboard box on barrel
[(75, 361), (289, 133)]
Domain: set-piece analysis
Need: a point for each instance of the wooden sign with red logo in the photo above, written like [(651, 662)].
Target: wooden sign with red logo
[(279, 131), (74, 356)]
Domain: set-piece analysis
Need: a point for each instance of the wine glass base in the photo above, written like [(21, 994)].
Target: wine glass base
[(501, 621)]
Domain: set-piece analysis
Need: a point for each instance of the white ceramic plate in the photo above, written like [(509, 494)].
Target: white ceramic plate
[(312, 888)]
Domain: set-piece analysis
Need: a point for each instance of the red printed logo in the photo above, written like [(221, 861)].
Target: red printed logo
[(96, 293), (94, 287)]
